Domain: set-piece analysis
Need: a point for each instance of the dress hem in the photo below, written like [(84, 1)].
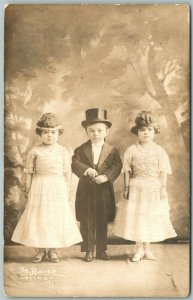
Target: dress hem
[(48, 246), (146, 240)]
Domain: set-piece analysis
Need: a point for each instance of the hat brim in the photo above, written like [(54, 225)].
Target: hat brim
[(155, 125), (86, 123), (134, 129)]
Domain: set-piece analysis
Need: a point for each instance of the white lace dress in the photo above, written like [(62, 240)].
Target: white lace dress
[(144, 217), (47, 221)]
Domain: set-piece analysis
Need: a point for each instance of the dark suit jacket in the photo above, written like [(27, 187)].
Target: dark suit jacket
[(110, 165)]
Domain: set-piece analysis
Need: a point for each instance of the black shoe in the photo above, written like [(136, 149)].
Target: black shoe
[(103, 256), (88, 257)]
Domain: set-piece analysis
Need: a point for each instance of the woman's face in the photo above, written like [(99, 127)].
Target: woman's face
[(50, 136), (146, 134)]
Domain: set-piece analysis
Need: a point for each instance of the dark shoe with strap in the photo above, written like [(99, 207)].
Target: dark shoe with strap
[(88, 257), (103, 255)]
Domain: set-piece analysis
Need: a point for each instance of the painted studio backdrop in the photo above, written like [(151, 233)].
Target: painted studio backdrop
[(68, 58)]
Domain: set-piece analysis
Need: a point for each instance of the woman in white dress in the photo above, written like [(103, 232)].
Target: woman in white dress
[(47, 221), (144, 216)]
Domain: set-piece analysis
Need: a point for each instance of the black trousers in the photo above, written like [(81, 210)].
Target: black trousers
[(93, 227)]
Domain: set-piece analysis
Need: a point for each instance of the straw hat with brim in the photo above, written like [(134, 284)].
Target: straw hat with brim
[(96, 115), (145, 119)]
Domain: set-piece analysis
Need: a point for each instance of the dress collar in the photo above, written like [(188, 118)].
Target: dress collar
[(147, 148)]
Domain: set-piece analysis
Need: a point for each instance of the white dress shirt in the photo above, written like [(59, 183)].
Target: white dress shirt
[(96, 151)]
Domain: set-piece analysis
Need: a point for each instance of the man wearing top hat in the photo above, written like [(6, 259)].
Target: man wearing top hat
[(97, 164)]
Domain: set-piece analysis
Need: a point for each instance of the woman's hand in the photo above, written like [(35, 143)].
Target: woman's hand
[(25, 191), (126, 193), (28, 183), (163, 193)]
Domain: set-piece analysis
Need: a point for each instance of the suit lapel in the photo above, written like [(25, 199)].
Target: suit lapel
[(106, 149), (88, 152)]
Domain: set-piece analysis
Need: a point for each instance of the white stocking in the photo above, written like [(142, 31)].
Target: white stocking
[(139, 246), (148, 252)]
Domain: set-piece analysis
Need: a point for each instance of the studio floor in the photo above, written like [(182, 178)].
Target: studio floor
[(168, 276)]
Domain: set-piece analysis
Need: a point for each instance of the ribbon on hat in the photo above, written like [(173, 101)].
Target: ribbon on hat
[(50, 128)]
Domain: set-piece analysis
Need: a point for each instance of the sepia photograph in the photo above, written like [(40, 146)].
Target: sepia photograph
[(97, 150)]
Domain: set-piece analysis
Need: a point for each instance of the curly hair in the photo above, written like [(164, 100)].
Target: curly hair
[(48, 120), (145, 119)]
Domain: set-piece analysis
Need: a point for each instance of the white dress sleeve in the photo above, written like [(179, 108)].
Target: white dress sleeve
[(164, 162), (67, 161), (30, 161), (127, 159)]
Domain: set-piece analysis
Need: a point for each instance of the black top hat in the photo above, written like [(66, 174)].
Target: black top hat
[(143, 119), (96, 115)]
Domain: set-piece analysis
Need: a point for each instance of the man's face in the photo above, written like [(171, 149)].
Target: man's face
[(97, 132)]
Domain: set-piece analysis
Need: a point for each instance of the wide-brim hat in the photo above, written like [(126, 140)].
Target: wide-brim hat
[(144, 119), (96, 115)]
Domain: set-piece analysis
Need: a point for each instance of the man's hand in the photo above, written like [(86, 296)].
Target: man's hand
[(100, 179), (92, 173)]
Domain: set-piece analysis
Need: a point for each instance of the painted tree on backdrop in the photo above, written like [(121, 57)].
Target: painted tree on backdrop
[(161, 85), (22, 107), (129, 60)]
